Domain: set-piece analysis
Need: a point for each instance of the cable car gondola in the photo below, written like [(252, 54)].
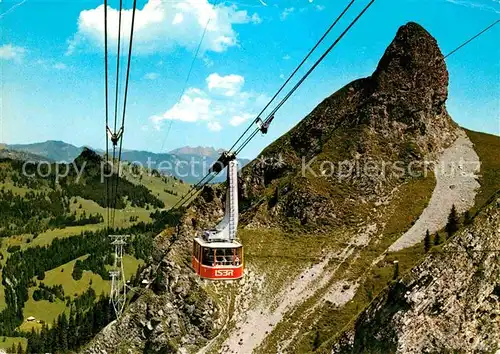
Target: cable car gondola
[(216, 253)]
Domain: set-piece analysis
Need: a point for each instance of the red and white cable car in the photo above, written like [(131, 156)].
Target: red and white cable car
[(217, 254)]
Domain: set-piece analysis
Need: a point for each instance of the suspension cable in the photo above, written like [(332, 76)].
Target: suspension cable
[(199, 185), (106, 105), (471, 39), (118, 62), (125, 96), (189, 73), (113, 195), (186, 196)]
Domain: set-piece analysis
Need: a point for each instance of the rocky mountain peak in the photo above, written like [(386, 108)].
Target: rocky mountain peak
[(403, 99), (397, 115), (413, 69)]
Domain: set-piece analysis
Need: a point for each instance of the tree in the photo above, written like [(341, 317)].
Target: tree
[(453, 222), (467, 218), (427, 241), (396, 270), (437, 239), (316, 341)]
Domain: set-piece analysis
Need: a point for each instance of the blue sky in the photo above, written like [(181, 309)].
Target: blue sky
[(52, 65)]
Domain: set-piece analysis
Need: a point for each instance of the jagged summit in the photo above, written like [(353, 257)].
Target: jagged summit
[(409, 86), (396, 114), (413, 51), (413, 71)]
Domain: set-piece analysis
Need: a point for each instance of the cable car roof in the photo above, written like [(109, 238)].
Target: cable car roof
[(204, 243)]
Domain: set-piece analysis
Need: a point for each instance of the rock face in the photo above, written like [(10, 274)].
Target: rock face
[(449, 303), (318, 171)]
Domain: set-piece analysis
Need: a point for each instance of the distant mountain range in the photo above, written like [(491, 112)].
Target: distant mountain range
[(51, 149), (187, 163), (198, 151)]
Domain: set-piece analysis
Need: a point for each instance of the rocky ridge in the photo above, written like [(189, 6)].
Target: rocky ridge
[(317, 171), (449, 303)]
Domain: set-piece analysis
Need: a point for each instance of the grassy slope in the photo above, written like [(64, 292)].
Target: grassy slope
[(377, 278), (6, 342), (282, 256), (122, 219), (157, 186), (327, 320), (487, 147), (47, 311)]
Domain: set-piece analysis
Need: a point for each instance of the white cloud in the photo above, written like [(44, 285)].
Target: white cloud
[(214, 126), (226, 85), (286, 12), (164, 25), (10, 52), (255, 19), (151, 76), (237, 120), (320, 7), (223, 102), (477, 5), (178, 19), (59, 66), (193, 106), (287, 57)]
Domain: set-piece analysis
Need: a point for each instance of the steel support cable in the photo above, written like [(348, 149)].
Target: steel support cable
[(189, 74), (299, 83), (180, 201), (106, 105), (180, 97), (118, 63), (245, 143), (125, 96), (279, 90), (194, 191), (113, 196), (295, 71), (471, 39)]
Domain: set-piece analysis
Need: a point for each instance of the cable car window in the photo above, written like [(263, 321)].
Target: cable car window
[(207, 256)]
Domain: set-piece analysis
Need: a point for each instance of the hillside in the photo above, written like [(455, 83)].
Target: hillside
[(51, 149), (189, 164), (22, 156), (320, 246), (448, 303), (54, 251)]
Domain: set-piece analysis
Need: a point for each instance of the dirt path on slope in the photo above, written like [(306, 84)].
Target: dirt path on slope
[(456, 183), (260, 321)]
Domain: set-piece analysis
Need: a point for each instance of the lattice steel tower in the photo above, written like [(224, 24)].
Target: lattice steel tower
[(118, 296)]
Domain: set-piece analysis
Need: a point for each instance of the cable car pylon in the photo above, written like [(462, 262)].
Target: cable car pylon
[(118, 295)]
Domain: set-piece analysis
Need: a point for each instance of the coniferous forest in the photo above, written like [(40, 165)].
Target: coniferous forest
[(45, 205)]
